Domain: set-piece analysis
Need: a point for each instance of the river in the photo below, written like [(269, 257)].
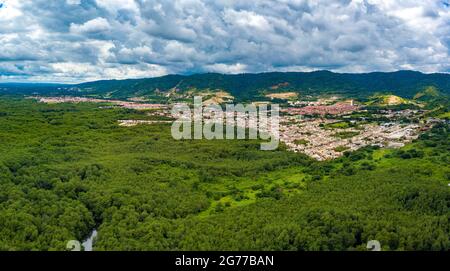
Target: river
[(89, 242)]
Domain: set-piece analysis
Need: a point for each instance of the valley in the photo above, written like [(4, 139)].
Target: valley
[(67, 168)]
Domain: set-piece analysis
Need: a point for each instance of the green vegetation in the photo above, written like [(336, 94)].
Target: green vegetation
[(252, 87), (346, 134), (341, 124), (66, 169), (341, 148), (430, 93), (337, 125), (387, 100), (301, 142), (445, 115)]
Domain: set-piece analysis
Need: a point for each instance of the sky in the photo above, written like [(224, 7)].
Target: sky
[(72, 41)]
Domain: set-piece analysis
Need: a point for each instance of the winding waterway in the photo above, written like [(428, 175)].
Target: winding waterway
[(89, 242)]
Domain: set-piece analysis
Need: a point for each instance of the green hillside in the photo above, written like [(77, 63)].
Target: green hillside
[(387, 100), (251, 86), (405, 84), (430, 93)]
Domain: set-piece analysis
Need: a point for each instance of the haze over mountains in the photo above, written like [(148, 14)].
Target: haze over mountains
[(252, 86)]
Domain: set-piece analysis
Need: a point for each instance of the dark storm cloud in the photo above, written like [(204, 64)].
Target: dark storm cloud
[(78, 40)]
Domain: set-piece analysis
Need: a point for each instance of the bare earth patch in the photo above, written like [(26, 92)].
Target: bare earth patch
[(219, 98), (283, 95), (393, 100)]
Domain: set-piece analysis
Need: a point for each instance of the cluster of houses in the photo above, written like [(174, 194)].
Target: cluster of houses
[(312, 137), (322, 110), (119, 103)]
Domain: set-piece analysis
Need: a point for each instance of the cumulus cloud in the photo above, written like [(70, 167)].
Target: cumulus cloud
[(93, 26), (68, 70), (224, 68), (82, 40)]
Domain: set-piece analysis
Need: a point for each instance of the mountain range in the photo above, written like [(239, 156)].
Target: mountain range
[(252, 86)]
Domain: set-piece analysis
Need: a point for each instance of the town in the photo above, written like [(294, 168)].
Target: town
[(322, 129)]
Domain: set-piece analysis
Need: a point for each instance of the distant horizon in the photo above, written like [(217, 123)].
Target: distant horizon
[(202, 73)]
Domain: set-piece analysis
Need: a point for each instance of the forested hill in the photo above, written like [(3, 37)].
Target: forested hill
[(253, 86), (250, 86)]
